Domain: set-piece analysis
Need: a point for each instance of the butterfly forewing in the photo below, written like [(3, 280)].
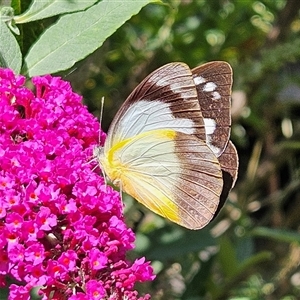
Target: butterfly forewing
[(213, 83), (167, 98)]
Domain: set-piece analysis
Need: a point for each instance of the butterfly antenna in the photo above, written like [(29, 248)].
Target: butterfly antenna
[(99, 137), (100, 118), (71, 71), (90, 160)]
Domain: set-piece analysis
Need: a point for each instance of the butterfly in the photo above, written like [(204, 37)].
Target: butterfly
[(168, 145)]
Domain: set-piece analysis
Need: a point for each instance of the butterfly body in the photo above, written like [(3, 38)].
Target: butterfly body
[(161, 148)]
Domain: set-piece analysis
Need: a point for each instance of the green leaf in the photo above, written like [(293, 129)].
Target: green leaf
[(41, 9), (10, 53), (282, 235), (290, 145), (76, 35), (227, 256), (7, 16)]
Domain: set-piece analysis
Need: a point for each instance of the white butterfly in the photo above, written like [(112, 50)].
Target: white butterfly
[(168, 146)]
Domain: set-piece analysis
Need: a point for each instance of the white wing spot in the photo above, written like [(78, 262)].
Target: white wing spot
[(209, 87), (216, 96), (199, 79), (210, 126)]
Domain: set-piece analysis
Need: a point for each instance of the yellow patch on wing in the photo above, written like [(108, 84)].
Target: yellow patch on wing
[(118, 159), (147, 191), (120, 166)]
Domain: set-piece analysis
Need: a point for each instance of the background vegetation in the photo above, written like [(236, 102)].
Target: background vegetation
[(252, 249)]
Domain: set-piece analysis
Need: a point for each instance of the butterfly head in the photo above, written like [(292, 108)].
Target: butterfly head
[(98, 151), (109, 173), (98, 154)]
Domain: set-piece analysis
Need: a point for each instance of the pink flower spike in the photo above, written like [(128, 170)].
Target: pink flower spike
[(61, 227)]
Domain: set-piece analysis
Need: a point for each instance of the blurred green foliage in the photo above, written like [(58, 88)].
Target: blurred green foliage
[(252, 250)]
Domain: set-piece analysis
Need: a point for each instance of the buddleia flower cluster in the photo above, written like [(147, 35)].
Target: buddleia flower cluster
[(61, 228)]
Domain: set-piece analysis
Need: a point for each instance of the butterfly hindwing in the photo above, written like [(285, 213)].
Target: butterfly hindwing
[(174, 174), (229, 164), (213, 82)]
